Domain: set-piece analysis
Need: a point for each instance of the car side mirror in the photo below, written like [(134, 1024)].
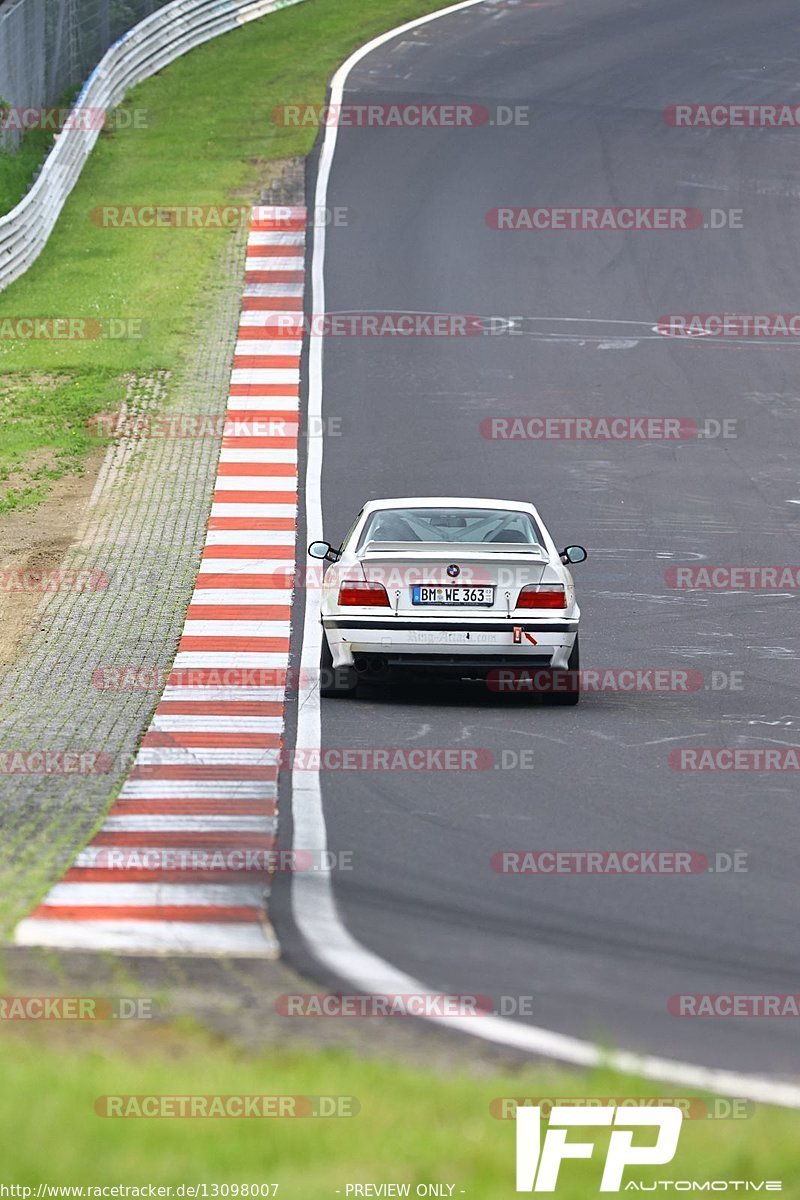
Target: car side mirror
[(323, 550), (573, 554)]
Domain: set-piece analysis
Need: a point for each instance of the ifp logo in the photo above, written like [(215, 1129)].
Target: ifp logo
[(538, 1165)]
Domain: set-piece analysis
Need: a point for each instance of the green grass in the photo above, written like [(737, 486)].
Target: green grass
[(413, 1126), (17, 169), (46, 428), (208, 139)]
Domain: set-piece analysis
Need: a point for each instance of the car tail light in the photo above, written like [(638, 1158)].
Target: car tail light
[(360, 592), (542, 595)]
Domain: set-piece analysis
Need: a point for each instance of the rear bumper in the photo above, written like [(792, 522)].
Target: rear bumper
[(449, 644)]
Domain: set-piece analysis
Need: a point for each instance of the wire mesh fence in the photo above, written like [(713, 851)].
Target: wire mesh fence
[(47, 50)]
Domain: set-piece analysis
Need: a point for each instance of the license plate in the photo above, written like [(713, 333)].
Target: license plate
[(455, 594)]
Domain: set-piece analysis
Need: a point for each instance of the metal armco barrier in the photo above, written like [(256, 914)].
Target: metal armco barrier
[(145, 49)]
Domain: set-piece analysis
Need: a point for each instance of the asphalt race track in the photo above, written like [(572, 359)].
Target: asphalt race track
[(600, 956)]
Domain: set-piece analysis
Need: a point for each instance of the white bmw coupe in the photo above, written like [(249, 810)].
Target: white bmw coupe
[(448, 586)]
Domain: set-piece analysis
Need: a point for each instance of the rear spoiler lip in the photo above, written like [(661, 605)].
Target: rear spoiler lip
[(460, 552)]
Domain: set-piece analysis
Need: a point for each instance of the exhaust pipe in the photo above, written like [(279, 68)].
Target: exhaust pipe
[(372, 665)]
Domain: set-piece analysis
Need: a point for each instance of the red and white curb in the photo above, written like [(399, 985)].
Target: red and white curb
[(204, 782)]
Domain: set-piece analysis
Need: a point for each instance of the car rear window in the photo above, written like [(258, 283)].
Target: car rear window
[(450, 525)]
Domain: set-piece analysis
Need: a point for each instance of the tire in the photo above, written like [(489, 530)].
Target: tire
[(334, 682), (562, 699)]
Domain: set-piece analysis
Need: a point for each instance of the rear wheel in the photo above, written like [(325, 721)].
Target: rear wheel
[(573, 695), (334, 682)]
